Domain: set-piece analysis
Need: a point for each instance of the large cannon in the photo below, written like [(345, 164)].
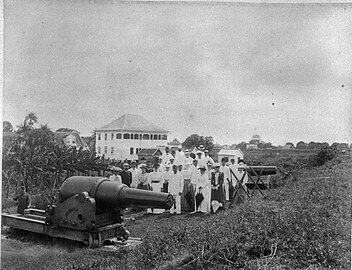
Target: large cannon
[(88, 209)]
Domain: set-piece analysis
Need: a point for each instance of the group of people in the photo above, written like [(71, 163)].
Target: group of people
[(197, 184)]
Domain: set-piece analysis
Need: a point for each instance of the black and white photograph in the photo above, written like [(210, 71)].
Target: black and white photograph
[(176, 134)]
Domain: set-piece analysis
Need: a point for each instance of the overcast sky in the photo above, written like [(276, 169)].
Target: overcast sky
[(222, 69)]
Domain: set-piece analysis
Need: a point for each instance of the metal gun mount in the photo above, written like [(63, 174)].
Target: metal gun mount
[(89, 210)]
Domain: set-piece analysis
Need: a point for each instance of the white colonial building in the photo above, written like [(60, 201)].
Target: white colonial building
[(124, 137)]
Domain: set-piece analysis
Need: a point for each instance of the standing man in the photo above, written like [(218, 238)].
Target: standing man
[(194, 173), (143, 162), (115, 175), (241, 195), (161, 165), (202, 149), (134, 172), (166, 156), (187, 159), (166, 177), (207, 157), (175, 188), (180, 156), (225, 170), (233, 169), (23, 200), (126, 175), (187, 198), (217, 183)]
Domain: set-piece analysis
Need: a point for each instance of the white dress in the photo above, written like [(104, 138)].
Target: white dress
[(203, 187), (156, 181), (226, 171), (175, 188)]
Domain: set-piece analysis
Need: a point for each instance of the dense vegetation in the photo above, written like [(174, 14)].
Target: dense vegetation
[(302, 223)]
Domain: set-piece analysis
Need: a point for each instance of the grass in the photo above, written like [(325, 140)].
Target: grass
[(304, 223)]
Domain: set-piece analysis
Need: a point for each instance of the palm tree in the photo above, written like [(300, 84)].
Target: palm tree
[(31, 118)]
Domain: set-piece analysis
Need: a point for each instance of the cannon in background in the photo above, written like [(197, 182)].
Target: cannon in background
[(89, 210)]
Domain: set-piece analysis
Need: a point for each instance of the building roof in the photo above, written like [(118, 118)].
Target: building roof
[(149, 152), (230, 152), (60, 136), (132, 122)]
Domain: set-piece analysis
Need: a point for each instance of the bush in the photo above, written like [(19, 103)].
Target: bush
[(325, 154)]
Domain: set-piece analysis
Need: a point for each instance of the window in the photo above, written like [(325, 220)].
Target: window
[(105, 150), (140, 136), (99, 137), (131, 151), (126, 136), (137, 150), (159, 137), (112, 150), (106, 136), (118, 136), (136, 136), (98, 149), (131, 136), (151, 136), (145, 136), (164, 137), (155, 136), (112, 136)]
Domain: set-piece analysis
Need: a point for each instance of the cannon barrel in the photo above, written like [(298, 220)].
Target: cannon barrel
[(109, 195), (260, 170)]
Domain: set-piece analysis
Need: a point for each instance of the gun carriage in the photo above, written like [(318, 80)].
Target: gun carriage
[(89, 210)]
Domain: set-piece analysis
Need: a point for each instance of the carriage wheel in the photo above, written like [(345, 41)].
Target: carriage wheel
[(90, 240)]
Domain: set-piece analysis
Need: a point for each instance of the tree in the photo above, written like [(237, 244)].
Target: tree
[(256, 139), (267, 145), (7, 126), (311, 145), (242, 146), (31, 118), (24, 127), (301, 145), (195, 140)]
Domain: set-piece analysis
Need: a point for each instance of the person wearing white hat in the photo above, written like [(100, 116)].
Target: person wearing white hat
[(172, 161), (179, 156), (194, 173), (203, 188), (241, 194), (187, 160), (175, 189), (207, 157), (201, 161), (161, 165), (126, 175), (143, 162), (142, 178)]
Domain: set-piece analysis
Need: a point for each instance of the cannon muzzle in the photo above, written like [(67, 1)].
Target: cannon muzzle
[(260, 170), (112, 195)]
